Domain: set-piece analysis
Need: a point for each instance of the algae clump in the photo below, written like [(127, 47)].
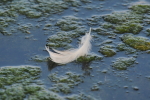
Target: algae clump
[(125, 22), (69, 23), (71, 27), (130, 27), (107, 51), (126, 48), (80, 97), (137, 42), (141, 9), (65, 83), (88, 58), (59, 40), (122, 63), (11, 75), (20, 82)]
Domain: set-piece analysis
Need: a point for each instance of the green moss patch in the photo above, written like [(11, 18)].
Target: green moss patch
[(122, 63), (137, 42)]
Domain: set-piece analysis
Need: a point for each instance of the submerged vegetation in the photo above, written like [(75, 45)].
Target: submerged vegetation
[(125, 22), (137, 42), (18, 81), (65, 83), (107, 50), (31, 9), (122, 63), (22, 82), (141, 9)]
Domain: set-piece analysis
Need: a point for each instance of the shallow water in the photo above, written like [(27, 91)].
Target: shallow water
[(133, 83)]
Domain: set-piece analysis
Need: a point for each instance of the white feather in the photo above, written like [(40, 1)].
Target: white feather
[(63, 57)]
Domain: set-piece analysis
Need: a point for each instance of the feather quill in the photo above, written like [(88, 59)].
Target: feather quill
[(63, 57)]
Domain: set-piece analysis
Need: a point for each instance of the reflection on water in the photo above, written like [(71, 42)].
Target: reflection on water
[(51, 64)]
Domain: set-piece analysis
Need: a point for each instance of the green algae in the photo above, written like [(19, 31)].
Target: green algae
[(32, 9), (25, 28), (141, 9), (126, 48), (137, 42), (129, 27), (65, 83), (104, 32), (128, 21), (11, 75), (122, 63), (88, 58), (100, 30), (69, 78), (125, 22), (121, 22), (19, 83), (39, 58), (86, 1), (4, 1), (107, 50), (59, 40), (69, 23), (37, 8), (74, 3), (5, 22), (14, 92), (32, 88), (122, 17), (61, 87), (95, 87), (45, 95), (71, 27), (107, 25), (148, 32), (81, 96), (94, 20)]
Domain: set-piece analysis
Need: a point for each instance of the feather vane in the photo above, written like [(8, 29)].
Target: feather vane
[(63, 57)]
